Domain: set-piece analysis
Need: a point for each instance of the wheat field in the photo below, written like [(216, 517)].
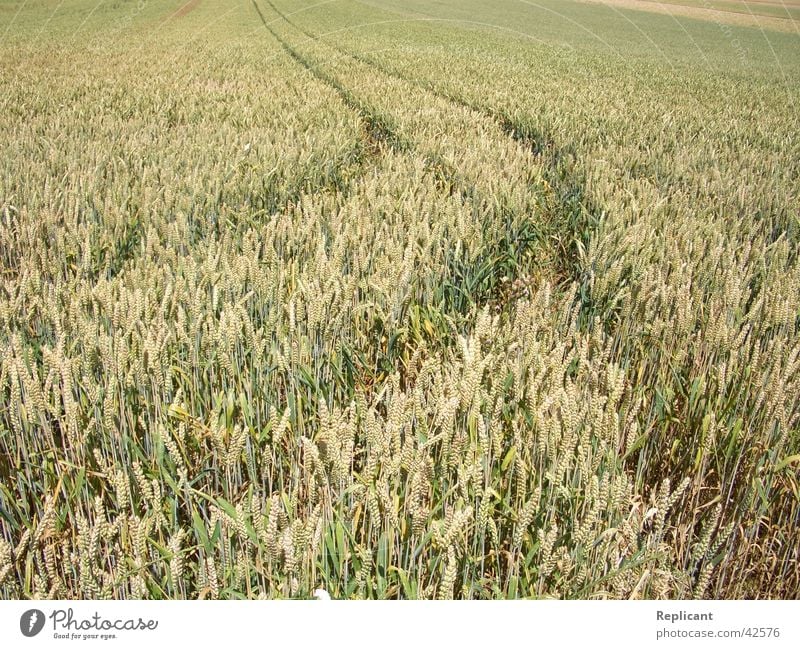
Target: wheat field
[(409, 300)]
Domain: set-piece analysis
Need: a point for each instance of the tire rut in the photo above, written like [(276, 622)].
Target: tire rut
[(472, 283), (376, 127), (574, 210)]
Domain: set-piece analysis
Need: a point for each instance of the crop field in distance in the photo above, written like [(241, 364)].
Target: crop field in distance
[(399, 299), (752, 8)]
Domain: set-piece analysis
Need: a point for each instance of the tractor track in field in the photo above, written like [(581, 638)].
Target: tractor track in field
[(382, 136), (575, 207), (377, 130)]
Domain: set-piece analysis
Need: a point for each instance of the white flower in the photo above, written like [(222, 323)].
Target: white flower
[(321, 593)]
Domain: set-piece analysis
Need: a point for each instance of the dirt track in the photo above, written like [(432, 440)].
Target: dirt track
[(184, 10), (702, 13)]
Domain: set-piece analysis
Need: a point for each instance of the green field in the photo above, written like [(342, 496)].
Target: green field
[(399, 299)]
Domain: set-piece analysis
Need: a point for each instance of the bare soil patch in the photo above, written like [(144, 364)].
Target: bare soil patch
[(704, 13), (185, 9)]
